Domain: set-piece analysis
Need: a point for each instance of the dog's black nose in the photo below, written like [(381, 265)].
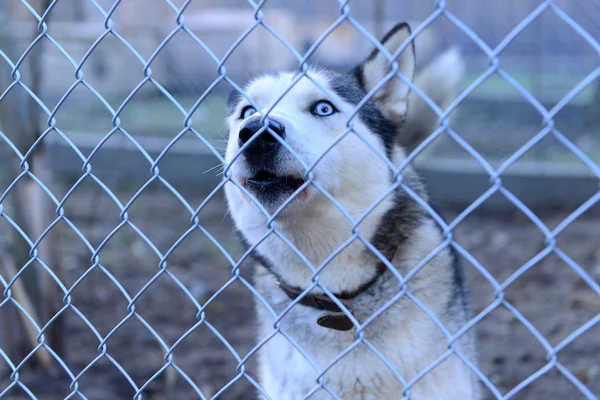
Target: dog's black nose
[(262, 151), (266, 139)]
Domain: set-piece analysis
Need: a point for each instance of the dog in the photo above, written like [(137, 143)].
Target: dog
[(343, 312)]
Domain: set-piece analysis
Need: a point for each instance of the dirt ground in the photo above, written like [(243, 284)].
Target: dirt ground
[(551, 296)]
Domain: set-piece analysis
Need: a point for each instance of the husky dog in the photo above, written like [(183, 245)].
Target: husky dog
[(332, 232)]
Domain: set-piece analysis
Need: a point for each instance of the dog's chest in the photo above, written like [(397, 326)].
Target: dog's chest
[(289, 362), (397, 346), (288, 374)]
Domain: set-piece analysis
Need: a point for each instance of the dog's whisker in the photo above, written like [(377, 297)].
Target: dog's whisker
[(223, 136), (225, 216), (213, 168)]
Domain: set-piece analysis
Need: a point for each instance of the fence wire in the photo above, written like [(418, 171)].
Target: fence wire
[(439, 11)]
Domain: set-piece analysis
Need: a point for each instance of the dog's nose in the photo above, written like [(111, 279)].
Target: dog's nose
[(266, 139)]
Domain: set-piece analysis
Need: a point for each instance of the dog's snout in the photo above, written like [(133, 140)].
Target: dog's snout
[(266, 139), (261, 151)]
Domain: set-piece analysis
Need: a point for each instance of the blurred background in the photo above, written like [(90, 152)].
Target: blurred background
[(136, 270)]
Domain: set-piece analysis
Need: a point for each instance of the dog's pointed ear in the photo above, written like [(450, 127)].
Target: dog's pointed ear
[(392, 97)]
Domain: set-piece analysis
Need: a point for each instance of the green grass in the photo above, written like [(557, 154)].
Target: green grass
[(562, 155), (549, 86), (152, 117), (157, 116)]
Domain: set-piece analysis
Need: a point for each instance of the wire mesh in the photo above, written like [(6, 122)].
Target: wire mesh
[(439, 10)]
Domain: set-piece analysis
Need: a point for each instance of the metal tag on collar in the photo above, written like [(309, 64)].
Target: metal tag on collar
[(337, 321)]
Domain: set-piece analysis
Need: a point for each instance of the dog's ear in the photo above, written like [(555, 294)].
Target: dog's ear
[(392, 97)]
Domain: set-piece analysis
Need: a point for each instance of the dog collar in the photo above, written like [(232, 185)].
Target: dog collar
[(336, 318)]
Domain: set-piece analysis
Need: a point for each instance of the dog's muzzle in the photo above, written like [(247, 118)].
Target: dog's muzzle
[(263, 148), (265, 164)]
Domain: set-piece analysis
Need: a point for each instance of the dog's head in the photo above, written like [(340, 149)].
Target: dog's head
[(306, 134)]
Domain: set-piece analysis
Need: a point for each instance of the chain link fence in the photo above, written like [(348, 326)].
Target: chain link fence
[(112, 289)]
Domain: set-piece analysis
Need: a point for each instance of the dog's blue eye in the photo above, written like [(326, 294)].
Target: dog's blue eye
[(248, 111), (323, 108)]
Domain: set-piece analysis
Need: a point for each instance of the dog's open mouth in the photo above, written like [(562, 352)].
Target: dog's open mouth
[(264, 181)]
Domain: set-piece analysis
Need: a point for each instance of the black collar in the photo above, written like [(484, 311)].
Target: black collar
[(337, 318)]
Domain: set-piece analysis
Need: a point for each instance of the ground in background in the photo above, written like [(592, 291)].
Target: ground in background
[(551, 296)]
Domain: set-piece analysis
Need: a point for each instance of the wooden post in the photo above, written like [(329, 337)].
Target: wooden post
[(19, 294), (31, 208), (13, 339)]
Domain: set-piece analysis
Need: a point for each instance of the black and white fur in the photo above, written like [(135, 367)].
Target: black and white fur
[(394, 122)]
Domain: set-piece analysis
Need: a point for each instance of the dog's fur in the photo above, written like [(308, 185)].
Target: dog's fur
[(353, 172)]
